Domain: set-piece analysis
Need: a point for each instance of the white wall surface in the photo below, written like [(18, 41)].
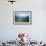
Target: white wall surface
[(9, 31)]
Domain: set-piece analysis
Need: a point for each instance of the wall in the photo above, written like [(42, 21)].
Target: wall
[(9, 31)]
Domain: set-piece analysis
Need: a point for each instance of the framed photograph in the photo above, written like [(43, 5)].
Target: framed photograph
[(22, 17)]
